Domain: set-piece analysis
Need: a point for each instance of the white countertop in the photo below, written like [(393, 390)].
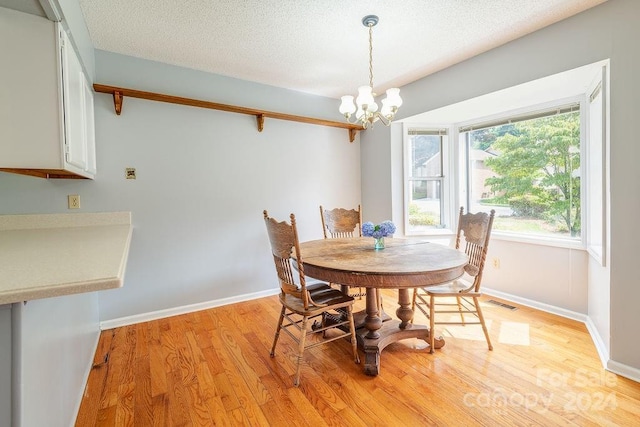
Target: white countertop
[(43, 256)]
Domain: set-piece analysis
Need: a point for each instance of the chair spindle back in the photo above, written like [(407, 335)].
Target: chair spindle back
[(284, 241), (476, 229), (341, 222)]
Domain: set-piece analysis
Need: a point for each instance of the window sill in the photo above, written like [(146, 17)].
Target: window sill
[(519, 238), (538, 240), (439, 232)]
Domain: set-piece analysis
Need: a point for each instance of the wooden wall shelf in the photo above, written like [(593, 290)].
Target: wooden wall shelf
[(119, 93)]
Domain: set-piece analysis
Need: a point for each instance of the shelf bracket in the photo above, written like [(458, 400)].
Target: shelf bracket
[(352, 134), (260, 119), (119, 93), (117, 101)]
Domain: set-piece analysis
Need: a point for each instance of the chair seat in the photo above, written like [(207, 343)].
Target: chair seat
[(325, 294), (317, 287), (329, 298), (455, 287)]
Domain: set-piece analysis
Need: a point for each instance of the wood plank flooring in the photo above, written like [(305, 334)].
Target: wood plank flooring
[(213, 367)]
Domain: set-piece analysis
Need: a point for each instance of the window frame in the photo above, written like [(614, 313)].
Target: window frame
[(565, 242), (446, 179), (597, 179)]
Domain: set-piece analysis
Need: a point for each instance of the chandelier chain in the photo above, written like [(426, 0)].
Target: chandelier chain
[(371, 55)]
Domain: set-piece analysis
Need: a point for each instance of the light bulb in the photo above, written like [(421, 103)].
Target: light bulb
[(365, 97), (386, 110), (393, 97), (347, 107)]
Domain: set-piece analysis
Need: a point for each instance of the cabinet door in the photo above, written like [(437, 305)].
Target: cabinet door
[(74, 114), (31, 130)]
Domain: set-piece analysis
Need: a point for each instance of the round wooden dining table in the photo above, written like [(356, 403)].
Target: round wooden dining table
[(404, 264)]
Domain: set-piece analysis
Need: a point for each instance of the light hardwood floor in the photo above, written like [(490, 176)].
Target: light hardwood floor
[(213, 368)]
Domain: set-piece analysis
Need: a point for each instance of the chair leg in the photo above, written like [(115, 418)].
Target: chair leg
[(481, 317), (413, 303), (277, 335), (354, 340), (432, 323), (460, 310), (303, 336)]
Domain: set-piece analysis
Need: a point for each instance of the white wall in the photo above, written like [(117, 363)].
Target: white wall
[(5, 365), (204, 178), (625, 180), (544, 274), (377, 175), (606, 31), (57, 341)]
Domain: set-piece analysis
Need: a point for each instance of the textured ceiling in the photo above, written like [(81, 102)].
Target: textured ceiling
[(317, 46)]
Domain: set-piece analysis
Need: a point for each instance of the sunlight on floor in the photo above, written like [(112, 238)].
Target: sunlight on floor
[(514, 333), (468, 332)]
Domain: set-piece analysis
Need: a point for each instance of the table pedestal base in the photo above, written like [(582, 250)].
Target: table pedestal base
[(390, 332)]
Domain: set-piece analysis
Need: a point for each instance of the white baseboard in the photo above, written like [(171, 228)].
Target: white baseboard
[(624, 370), (601, 347), (175, 311), (569, 314)]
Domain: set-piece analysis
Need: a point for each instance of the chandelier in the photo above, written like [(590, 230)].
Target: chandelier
[(365, 107)]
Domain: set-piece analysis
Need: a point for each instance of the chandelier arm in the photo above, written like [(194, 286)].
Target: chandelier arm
[(349, 120), (385, 121)]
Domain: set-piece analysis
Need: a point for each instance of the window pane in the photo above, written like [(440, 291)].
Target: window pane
[(529, 172), (426, 156), (425, 205)]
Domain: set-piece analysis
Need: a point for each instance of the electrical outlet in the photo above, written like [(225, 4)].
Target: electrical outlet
[(496, 262), (74, 201)]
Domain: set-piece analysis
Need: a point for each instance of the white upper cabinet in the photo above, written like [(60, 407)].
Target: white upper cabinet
[(46, 101), (78, 110)]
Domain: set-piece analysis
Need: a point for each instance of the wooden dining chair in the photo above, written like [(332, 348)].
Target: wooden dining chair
[(341, 223), (475, 230), (300, 303)]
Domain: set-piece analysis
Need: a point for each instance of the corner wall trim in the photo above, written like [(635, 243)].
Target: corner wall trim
[(119, 93), (51, 9)]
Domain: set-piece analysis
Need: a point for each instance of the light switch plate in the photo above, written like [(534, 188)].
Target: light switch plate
[(130, 173)]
